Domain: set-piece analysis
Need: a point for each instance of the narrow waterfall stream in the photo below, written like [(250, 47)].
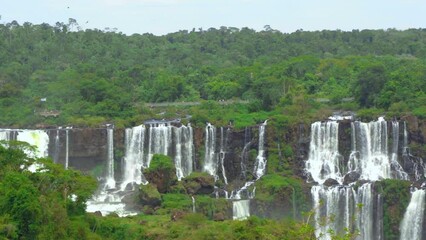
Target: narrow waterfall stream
[(412, 223)]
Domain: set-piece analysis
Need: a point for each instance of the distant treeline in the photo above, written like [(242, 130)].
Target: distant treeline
[(108, 75)]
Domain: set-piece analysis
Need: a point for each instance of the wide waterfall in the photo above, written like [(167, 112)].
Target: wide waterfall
[(159, 138), (411, 225), (341, 208), (241, 209)]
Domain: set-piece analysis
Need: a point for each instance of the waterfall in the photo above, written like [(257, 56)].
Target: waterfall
[(110, 180), (334, 208), (183, 141), (372, 145), (260, 165), (324, 158), (412, 223), (5, 135), (210, 159), (222, 152), (243, 192), (160, 138), (57, 146), (134, 156), (365, 219), (399, 172), (244, 153), (37, 138), (240, 209), (406, 150), (370, 158), (67, 147), (193, 204)]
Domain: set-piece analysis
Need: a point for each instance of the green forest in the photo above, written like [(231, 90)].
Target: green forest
[(58, 75)]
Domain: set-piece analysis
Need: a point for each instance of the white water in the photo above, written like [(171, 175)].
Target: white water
[(193, 204), (134, 156), (240, 209), (398, 171), (260, 165), (183, 141), (160, 138), (341, 208), (110, 180), (411, 225), (222, 153), (5, 134), (371, 142), (324, 158), (370, 157), (67, 147), (37, 138), (57, 146), (365, 218), (210, 158)]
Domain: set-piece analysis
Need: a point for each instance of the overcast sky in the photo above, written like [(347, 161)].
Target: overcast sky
[(164, 16)]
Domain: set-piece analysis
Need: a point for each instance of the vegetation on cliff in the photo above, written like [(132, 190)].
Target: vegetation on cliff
[(91, 77)]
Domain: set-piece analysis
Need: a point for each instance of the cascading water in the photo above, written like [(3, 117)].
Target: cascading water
[(324, 158), (210, 159), (372, 145), (419, 165), (57, 146), (399, 173), (260, 165), (134, 156), (5, 135), (183, 141), (412, 223), (160, 138), (329, 204), (193, 204), (37, 138), (110, 180), (67, 140), (370, 158), (241, 209), (108, 200), (222, 152)]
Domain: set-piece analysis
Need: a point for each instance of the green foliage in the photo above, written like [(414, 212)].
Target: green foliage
[(94, 76), (160, 162), (173, 201), (38, 204), (396, 197)]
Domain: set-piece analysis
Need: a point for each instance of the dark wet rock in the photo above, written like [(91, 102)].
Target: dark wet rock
[(351, 177), (199, 183), (331, 182)]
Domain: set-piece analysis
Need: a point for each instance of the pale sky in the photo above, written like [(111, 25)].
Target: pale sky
[(165, 16)]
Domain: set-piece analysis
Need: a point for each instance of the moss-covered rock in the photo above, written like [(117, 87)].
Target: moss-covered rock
[(278, 196), (199, 183), (149, 195), (161, 173)]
